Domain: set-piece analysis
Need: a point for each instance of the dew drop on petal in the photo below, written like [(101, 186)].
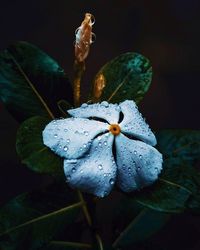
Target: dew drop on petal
[(100, 143), (105, 143), (135, 152), (68, 140), (100, 167), (65, 148), (72, 161), (86, 133), (68, 177), (140, 156), (111, 181), (84, 105), (55, 135), (84, 145), (65, 130), (73, 170), (104, 104)]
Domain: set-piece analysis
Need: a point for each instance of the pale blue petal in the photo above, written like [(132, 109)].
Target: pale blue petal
[(71, 138), (134, 125), (96, 172), (138, 164), (104, 110)]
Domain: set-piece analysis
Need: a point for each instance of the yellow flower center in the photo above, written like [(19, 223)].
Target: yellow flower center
[(114, 129)]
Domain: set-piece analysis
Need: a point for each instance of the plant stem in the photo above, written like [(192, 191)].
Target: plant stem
[(70, 244), (79, 68), (99, 242), (43, 217), (85, 209)]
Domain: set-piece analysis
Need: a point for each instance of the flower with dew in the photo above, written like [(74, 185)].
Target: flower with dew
[(105, 144)]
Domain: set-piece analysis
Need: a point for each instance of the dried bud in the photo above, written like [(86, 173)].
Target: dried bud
[(84, 37), (99, 85)]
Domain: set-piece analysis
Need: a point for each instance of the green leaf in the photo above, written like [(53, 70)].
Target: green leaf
[(182, 144), (32, 220), (33, 152), (181, 150), (31, 82), (142, 227), (127, 76), (164, 196)]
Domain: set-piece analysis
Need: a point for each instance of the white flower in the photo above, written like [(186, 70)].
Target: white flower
[(103, 144)]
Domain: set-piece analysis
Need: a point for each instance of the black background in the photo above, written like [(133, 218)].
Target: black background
[(167, 32)]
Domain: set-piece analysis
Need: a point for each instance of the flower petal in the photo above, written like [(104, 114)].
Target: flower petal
[(95, 173), (133, 124), (104, 110), (138, 164), (71, 138)]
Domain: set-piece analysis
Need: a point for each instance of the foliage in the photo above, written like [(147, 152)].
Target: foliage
[(35, 89)]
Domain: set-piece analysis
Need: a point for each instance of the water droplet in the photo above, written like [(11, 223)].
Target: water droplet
[(99, 138), (129, 169), (100, 143), (135, 152), (138, 168), (105, 143), (65, 130), (112, 181), (156, 169), (86, 133), (73, 170), (68, 140), (84, 145), (65, 148), (81, 171), (100, 167), (104, 104), (56, 135), (104, 174), (118, 108), (129, 174), (84, 105), (68, 177), (72, 161), (134, 163), (105, 193), (140, 156)]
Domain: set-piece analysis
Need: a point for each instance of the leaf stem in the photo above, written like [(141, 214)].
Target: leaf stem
[(70, 244), (79, 68), (62, 210), (99, 242), (85, 209)]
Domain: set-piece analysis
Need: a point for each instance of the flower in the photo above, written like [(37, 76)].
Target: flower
[(103, 144)]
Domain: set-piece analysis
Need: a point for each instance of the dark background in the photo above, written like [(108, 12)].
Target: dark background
[(167, 32)]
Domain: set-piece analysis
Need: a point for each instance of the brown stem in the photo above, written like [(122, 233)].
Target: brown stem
[(79, 68)]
